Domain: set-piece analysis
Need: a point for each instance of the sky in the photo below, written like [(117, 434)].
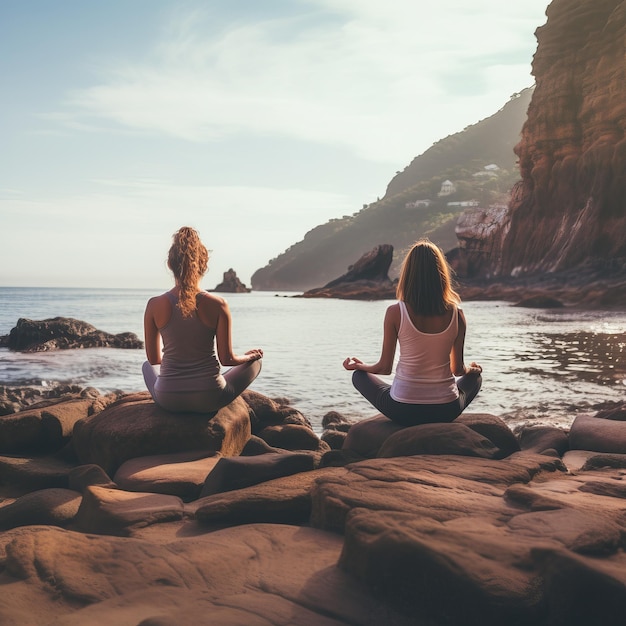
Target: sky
[(252, 121)]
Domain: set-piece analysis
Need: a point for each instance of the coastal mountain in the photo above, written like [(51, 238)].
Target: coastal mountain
[(569, 210), (475, 167)]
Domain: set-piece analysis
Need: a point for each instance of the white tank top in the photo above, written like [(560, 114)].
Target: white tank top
[(423, 374)]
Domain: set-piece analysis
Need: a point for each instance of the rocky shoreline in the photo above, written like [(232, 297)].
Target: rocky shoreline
[(114, 511), (593, 286)]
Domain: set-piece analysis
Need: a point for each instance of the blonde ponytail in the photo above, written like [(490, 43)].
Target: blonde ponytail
[(188, 259)]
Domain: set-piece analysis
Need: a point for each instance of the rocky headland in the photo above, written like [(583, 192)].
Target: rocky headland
[(367, 279)]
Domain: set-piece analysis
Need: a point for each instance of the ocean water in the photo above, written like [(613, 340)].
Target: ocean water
[(540, 366)]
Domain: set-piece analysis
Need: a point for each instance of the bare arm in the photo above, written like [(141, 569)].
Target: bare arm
[(384, 365), (152, 337), (456, 355), (224, 340)]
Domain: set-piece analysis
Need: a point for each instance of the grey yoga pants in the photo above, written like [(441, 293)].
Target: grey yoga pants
[(378, 393), (238, 379)]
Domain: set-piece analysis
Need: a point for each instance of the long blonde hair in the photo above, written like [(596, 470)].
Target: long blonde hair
[(425, 282), (188, 259)]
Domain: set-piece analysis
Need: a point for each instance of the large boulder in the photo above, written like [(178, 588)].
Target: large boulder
[(21, 474), (493, 428), (44, 429), (285, 500), (181, 474), (367, 279), (244, 471), (50, 507), (452, 438), (598, 434), (488, 436), (292, 437), (266, 411), (367, 436), (543, 439), (61, 333), (136, 427), (115, 512)]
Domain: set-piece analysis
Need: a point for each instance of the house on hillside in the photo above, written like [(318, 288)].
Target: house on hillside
[(447, 188), (465, 203), (418, 204), (489, 171)]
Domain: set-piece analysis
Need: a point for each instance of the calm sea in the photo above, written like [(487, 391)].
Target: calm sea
[(540, 366)]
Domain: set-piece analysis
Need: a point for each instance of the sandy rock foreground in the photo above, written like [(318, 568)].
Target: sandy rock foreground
[(506, 530)]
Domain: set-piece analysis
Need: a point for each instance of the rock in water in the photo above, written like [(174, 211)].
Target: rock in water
[(61, 333), (367, 279), (231, 283)]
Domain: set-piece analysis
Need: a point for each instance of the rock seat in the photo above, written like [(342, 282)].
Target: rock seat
[(598, 434), (470, 434), (136, 427)]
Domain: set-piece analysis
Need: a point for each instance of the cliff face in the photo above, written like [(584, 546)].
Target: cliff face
[(570, 207)]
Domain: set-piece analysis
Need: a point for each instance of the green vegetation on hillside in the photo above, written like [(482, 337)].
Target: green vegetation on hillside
[(412, 207)]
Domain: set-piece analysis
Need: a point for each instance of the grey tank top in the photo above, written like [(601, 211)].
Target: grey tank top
[(189, 362)]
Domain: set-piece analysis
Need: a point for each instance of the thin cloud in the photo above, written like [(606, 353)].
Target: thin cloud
[(360, 75)]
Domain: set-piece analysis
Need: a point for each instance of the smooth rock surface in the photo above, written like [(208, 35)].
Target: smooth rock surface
[(282, 500), (367, 436), (136, 427), (244, 471), (257, 575), (42, 429), (48, 507), (450, 438), (597, 434), (115, 512), (182, 474)]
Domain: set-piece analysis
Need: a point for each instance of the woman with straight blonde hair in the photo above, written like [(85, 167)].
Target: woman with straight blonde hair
[(432, 383), (186, 374)]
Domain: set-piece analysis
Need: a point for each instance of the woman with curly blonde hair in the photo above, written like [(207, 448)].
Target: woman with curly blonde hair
[(432, 383), (186, 374)]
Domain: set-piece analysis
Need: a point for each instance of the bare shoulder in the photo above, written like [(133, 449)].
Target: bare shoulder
[(211, 302), (393, 312), (206, 297), (159, 310), (157, 302)]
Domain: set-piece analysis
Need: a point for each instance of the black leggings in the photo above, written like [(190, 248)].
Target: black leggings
[(377, 392)]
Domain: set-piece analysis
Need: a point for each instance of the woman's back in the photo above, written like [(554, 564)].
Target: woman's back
[(423, 373), (430, 324), (188, 352)]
